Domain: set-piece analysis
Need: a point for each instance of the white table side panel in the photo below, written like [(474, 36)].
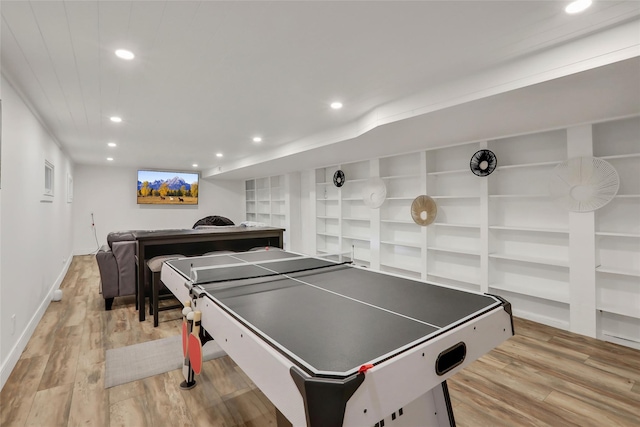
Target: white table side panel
[(404, 378), (266, 367)]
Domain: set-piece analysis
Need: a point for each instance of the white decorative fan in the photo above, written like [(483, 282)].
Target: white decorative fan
[(584, 184), (374, 193)]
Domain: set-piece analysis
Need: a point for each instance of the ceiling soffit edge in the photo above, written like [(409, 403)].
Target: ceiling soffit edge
[(596, 50)]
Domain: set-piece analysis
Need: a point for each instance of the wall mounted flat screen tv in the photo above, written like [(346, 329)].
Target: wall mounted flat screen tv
[(167, 188)]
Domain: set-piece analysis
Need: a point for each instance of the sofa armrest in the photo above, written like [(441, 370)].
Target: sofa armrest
[(108, 272), (119, 236), (125, 255)]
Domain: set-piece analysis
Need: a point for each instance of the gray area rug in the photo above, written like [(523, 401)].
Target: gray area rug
[(135, 362)]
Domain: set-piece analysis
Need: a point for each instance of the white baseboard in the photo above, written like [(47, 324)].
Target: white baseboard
[(21, 344), (85, 251), (538, 318), (627, 342)]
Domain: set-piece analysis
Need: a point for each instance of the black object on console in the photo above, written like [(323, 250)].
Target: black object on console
[(213, 220)]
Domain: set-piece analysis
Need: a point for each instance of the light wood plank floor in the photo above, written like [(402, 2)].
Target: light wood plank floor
[(541, 377)]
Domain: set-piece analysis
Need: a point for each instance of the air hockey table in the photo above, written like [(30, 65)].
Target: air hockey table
[(333, 344)]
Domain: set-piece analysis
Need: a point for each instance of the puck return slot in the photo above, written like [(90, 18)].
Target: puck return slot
[(450, 358)]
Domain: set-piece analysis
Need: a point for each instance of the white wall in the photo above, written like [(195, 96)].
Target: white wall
[(35, 235), (38, 238), (2, 358), (109, 192)]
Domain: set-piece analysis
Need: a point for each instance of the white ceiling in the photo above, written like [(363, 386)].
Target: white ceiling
[(209, 76)]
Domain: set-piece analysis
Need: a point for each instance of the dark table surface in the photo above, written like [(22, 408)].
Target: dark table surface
[(331, 319)]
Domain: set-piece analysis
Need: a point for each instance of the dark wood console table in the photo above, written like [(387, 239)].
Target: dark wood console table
[(197, 242)]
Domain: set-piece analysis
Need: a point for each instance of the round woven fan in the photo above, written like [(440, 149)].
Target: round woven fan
[(338, 178), (374, 193), (584, 184), (483, 162), (424, 210)]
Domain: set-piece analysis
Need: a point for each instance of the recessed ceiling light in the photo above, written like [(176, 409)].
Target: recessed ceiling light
[(195, 165), (115, 119), (218, 154), (577, 6), (110, 159), (336, 105), (112, 144), (257, 139), (125, 54)]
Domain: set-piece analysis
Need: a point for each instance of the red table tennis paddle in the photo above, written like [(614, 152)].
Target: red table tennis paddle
[(195, 345), (185, 327)]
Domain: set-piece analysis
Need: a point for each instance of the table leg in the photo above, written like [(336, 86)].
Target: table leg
[(141, 268)]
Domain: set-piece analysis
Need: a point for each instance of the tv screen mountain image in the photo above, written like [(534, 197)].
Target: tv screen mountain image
[(167, 188)]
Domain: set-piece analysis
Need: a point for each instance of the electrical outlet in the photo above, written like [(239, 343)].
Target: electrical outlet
[(13, 324), (64, 260)]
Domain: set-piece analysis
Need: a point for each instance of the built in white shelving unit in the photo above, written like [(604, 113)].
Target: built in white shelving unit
[(401, 240), (268, 201), (617, 235), (327, 203), (263, 200), (278, 201), (453, 241), (355, 216), (250, 199), (528, 232)]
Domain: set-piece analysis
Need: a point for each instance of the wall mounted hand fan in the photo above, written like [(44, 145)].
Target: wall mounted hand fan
[(374, 193), (483, 162), (338, 178), (424, 210), (584, 184)]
